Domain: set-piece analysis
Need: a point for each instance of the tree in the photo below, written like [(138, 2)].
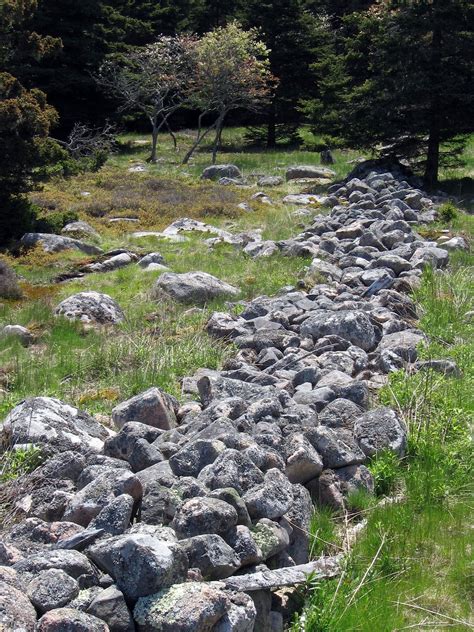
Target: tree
[(397, 78), (232, 72), (287, 28), (25, 118), (151, 80)]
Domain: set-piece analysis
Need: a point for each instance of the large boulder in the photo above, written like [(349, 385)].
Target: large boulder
[(57, 243), (153, 408), (194, 287), (91, 307), (352, 325), (70, 620), (16, 611), (51, 589), (211, 555), (199, 516), (380, 429), (190, 607), (140, 564), (110, 606), (309, 172), (80, 230), (402, 343), (52, 425), (215, 172)]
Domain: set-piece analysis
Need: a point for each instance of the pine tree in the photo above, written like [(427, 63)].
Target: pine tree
[(398, 78)]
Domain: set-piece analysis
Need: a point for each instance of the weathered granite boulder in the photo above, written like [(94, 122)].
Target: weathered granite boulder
[(309, 172), (215, 172), (57, 243), (194, 287), (91, 307), (153, 408)]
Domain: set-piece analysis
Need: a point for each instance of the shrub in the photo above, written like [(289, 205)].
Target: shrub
[(55, 222), (447, 212), (9, 287), (17, 217), (385, 470)]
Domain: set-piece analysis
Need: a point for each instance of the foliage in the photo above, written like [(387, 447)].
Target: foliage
[(16, 463), (232, 72), (447, 212), (9, 287), (55, 222), (400, 100), (385, 468), (322, 529)]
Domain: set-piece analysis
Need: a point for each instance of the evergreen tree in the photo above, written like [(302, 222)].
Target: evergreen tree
[(398, 77)]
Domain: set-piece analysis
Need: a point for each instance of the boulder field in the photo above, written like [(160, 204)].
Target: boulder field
[(187, 515)]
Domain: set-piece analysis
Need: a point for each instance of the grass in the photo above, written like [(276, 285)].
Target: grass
[(412, 566)]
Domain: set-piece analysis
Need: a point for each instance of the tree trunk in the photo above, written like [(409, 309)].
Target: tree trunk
[(434, 138), (271, 127), (217, 140), (198, 141), (154, 142), (172, 134)]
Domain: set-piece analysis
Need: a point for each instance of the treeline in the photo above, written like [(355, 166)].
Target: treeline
[(387, 75)]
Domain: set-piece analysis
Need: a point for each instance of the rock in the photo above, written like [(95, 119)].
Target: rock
[(73, 563), (303, 199), (380, 429), (214, 172), (354, 326), (190, 607), (270, 537), (298, 521), (185, 224), (140, 564), (240, 617), (80, 230), (272, 499), (336, 447), (340, 413), (115, 517), (70, 620), (270, 181), (52, 589), (23, 334), (402, 343), (150, 259), (153, 408), (200, 516), (244, 545), (194, 287), (303, 462), (214, 388), (191, 459), (429, 255), (116, 262), (52, 425), (257, 249), (89, 501), (16, 612), (231, 469), (211, 555), (91, 307), (230, 496), (309, 172), (57, 243), (320, 269), (110, 606)]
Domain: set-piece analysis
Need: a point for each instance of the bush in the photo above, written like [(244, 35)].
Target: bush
[(385, 468), (447, 212), (9, 287), (17, 217), (55, 222)]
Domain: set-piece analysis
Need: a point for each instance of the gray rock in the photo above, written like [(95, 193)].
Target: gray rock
[(270, 537), (70, 620), (320, 269), (231, 469), (214, 172), (336, 447), (230, 496), (270, 181), (116, 262), (73, 563), (88, 502), (57, 243), (152, 258), (80, 230), (402, 343), (190, 607), (91, 307), (258, 249), (297, 522), (110, 606), (272, 498), (153, 408), (16, 612), (354, 326), (340, 413), (52, 589), (380, 429), (115, 518), (211, 555), (240, 616), (53, 425), (194, 287), (22, 334), (429, 255), (140, 564), (244, 545), (309, 172), (191, 459), (303, 462), (122, 445), (200, 516)]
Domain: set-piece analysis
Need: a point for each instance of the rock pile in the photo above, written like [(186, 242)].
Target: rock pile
[(181, 520)]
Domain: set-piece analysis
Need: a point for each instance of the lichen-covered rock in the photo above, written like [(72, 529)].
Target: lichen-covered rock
[(140, 564), (231, 469), (204, 515), (211, 555), (80, 230), (272, 498), (336, 447), (191, 607), (354, 326), (51, 589), (269, 537), (91, 307), (57, 243), (16, 612), (153, 407), (381, 429), (52, 425), (110, 606), (303, 462), (309, 172), (215, 172), (191, 459), (70, 620), (73, 563), (194, 287)]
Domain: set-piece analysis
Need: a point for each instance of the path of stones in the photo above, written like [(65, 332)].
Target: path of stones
[(185, 518)]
